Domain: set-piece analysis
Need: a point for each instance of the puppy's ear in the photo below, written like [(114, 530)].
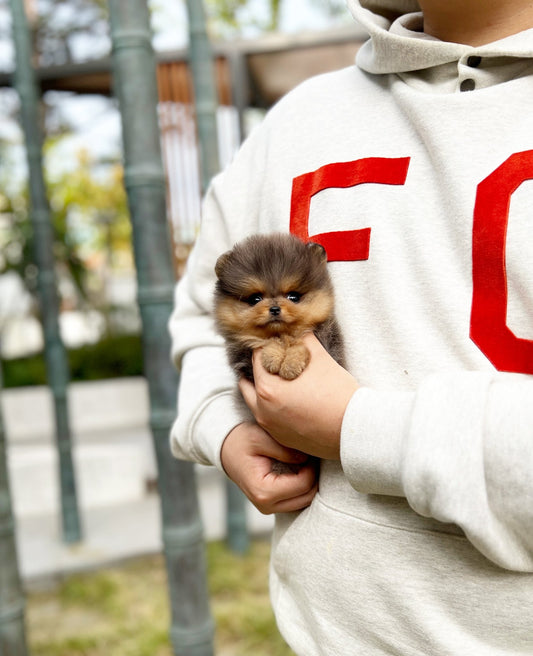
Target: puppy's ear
[(221, 263), (318, 251)]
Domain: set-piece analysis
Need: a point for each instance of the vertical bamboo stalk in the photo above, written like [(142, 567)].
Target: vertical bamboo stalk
[(55, 354), (12, 630), (240, 87), (203, 73), (136, 88)]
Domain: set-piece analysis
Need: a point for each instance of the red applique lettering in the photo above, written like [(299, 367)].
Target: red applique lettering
[(488, 322), (346, 245)]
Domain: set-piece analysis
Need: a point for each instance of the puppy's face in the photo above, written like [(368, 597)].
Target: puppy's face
[(272, 285)]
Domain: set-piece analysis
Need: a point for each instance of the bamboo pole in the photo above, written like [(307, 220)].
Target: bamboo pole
[(135, 83), (203, 74), (12, 629), (205, 100), (54, 350)]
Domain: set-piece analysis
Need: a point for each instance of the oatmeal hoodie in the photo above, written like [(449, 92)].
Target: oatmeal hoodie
[(415, 169)]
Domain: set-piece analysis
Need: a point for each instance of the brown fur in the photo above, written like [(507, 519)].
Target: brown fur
[(271, 290)]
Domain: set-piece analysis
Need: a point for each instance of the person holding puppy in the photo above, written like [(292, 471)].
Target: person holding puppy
[(414, 169)]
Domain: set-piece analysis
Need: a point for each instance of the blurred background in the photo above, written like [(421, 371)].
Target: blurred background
[(106, 590)]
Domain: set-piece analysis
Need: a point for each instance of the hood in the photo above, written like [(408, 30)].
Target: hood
[(398, 44)]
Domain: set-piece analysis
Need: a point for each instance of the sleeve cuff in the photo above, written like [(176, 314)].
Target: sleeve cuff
[(374, 429), (211, 425)]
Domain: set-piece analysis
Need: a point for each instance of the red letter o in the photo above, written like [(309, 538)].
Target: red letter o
[(488, 321)]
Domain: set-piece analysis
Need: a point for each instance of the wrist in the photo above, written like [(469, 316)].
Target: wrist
[(226, 449)]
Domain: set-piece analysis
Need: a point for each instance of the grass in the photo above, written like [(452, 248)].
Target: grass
[(123, 611)]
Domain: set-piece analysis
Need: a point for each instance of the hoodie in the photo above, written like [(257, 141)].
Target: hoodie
[(414, 168)]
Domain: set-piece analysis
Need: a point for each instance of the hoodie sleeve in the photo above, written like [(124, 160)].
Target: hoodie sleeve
[(460, 449)]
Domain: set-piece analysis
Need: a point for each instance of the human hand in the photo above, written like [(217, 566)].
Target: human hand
[(305, 413), (247, 457)]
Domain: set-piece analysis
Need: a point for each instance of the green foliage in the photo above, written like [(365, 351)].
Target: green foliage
[(98, 590), (123, 611), (119, 611), (90, 211), (229, 17), (92, 231), (225, 10), (242, 609), (59, 22), (16, 237), (22, 372), (112, 357)]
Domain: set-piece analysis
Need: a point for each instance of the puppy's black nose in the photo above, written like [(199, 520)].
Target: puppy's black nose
[(275, 310)]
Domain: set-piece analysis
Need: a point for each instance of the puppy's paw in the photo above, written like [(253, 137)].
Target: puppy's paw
[(272, 356), (296, 360)]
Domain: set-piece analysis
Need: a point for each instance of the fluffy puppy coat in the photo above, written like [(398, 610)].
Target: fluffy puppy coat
[(272, 290)]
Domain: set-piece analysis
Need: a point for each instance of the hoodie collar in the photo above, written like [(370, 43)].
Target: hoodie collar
[(398, 44)]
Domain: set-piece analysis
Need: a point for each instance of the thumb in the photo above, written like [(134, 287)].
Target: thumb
[(269, 447), (248, 392)]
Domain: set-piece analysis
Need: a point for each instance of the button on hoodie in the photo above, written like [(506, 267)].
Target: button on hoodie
[(468, 84), (474, 61)]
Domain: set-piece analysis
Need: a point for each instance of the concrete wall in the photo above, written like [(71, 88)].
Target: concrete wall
[(113, 458), (112, 448)]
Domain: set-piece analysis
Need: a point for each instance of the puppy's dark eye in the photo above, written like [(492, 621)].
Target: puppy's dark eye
[(294, 297), (254, 299)]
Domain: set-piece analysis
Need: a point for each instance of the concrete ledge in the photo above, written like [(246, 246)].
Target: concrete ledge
[(113, 459), (107, 474), (115, 532), (94, 407)]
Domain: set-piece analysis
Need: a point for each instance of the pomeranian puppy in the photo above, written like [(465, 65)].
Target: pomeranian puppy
[(271, 291)]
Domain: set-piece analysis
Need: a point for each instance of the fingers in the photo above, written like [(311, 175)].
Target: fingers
[(292, 504), (286, 492), (273, 449), (247, 457)]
